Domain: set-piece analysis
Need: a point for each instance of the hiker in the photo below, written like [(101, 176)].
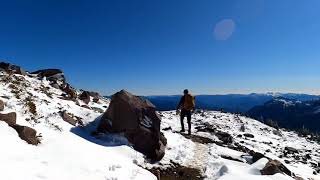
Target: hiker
[(187, 106)]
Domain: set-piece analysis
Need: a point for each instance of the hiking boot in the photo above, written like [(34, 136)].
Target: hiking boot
[(182, 130)]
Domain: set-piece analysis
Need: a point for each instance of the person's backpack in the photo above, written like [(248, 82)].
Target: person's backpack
[(189, 102)]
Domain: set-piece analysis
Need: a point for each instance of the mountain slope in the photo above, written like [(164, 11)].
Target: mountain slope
[(223, 145), (62, 154), (289, 113)]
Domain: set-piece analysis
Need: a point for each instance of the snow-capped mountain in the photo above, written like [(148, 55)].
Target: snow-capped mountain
[(223, 145)]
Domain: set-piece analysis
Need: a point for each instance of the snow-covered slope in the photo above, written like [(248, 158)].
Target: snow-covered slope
[(226, 161), (63, 154), (68, 152)]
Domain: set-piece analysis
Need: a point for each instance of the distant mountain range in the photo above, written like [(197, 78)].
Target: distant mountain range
[(230, 102), (289, 113)]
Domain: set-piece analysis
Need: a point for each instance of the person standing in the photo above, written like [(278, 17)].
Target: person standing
[(187, 106)]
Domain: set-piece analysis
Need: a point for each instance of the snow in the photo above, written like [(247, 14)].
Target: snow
[(67, 152)]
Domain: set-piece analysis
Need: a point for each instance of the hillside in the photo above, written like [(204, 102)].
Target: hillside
[(290, 113), (223, 145)]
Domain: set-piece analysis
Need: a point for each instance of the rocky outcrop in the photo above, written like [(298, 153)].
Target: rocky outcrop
[(138, 120), (10, 68), (51, 74), (9, 118), (27, 134)]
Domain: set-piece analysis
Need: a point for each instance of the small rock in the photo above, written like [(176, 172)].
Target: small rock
[(277, 132), (167, 128), (86, 106), (224, 137), (248, 135), (95, 99), (242, 128), (256, 156), (291, 150), (97, 109), (308, 156)]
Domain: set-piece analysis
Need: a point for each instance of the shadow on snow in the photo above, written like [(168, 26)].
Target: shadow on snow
[(107, 139)]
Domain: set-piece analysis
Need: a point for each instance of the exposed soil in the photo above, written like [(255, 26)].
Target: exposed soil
[(198, 139)]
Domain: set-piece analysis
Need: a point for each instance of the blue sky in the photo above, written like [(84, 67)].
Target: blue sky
[(162, 47)]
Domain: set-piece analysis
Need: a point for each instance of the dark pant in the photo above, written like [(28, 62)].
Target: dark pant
[(182, 115)]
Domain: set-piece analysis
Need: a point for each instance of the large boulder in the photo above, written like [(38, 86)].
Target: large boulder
[(138, 120), (1, 105), (274, 167), (9, 118), (27, 134)]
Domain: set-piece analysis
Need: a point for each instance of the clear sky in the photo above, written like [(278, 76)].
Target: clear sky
[(163, 46)]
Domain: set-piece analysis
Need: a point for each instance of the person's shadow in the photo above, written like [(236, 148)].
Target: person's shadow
[(88, 132)]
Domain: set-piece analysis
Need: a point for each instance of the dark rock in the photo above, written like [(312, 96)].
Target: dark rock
[(21, 71), (308, 156), (163, 139), (291, 150), (274, 167), (224, 137), (85, 97), (206, 127), (268, 150), (69, 118), (242, 128), (97, 109), (51, 74), (27, 134), (138, 120), (167, 128), (55, 85), (277, 132), (86, 106), (248, 135), (10, 68), (9, 118), (231, 158), (95, 99), (256, 156), (71, 93), (47, 72), (287, 161), (1, 105)]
